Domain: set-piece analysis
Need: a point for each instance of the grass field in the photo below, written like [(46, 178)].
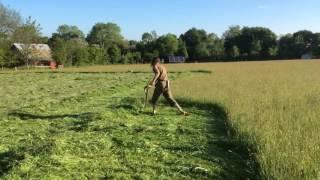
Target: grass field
[(255, 120)]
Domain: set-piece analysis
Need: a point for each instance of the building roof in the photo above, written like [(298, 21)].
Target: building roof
[(37, 51), (176, 59)]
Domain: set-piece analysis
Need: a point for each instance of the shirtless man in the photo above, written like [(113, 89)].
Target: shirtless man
[(162, 86)]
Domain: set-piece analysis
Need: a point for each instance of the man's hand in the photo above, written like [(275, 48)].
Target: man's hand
[(147, 87)]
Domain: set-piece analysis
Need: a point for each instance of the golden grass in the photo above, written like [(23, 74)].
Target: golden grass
[(274, 105)]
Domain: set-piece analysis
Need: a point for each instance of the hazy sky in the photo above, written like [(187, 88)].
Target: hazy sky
[(175, 16)]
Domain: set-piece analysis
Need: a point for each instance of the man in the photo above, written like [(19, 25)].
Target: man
[(162, 86)]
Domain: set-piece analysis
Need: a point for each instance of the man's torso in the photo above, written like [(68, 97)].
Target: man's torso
[(163, 73)]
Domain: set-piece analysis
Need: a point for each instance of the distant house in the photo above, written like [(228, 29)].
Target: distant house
[(307, 56), (175, 59), (39, 55)]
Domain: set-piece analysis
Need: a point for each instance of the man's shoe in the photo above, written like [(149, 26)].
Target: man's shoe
[(154, 113), (185, 113)]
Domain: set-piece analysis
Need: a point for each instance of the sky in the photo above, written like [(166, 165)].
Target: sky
[(172, 16)]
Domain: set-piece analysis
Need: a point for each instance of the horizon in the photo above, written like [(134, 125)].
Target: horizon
[(135, 18)]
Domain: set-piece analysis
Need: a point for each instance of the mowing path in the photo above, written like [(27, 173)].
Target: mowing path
[(86, 126)]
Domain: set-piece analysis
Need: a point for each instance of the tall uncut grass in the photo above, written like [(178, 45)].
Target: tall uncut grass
[(274, 105)]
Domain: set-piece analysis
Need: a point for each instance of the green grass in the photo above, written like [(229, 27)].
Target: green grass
[(250, 120), (91, 125)]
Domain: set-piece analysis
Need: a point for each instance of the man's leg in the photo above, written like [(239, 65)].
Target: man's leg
[(169, 97), (156, 94)]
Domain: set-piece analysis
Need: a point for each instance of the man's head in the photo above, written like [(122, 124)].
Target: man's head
[(155, 61)]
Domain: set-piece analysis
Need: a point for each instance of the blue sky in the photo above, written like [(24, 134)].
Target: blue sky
[(175, 16)]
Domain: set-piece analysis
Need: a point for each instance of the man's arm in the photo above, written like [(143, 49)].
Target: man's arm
[(152, 82)]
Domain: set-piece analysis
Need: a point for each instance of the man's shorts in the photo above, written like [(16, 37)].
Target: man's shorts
[(163, 87)]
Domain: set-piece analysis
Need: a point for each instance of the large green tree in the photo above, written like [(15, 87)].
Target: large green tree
[(167, 45), (251, 41), (257, 41), (182, 49), (70, 52), (303, 41), (105, 35), (69, 46), (29, 32), (147, 46), (316, 45), (10, 19), (215, 45), (149, 37), (201, 44), (60, 50), (196, 42), (68, 32), (299, 43), (231, 39), (285, 45)]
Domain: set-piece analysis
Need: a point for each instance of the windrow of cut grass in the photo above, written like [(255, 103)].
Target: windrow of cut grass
[(274, 106)]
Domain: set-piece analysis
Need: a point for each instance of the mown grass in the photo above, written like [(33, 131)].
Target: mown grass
[(91, 126)]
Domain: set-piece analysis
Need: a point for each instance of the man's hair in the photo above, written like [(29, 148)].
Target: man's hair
[(155, 61)]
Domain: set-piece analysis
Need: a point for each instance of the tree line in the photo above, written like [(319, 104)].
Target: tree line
[(104, 44)]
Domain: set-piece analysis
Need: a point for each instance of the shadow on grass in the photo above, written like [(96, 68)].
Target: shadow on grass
[(201, 71), (29, 116), (131, 104), (35, 145), (39, 145), (81, 122), (235, 156), (7, 161)]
